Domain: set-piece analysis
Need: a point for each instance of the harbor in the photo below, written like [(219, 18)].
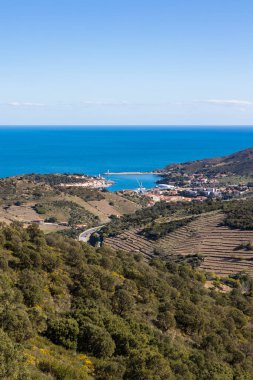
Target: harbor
[(130, 181), (108, 173)]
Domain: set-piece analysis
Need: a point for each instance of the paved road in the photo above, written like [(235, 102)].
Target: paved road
[(85, 235)]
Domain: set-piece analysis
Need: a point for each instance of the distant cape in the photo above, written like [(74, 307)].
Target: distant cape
[(239, 163)]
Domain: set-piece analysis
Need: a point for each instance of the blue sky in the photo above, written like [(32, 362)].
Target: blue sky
[(131, 62)]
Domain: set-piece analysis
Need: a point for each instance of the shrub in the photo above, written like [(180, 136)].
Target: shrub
[(61, 371), (11, 360), (95, 340), (63, 331)]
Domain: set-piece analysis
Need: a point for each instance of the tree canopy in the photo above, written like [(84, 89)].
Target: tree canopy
[(71, 311)]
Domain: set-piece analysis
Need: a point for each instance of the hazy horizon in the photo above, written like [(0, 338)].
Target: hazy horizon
[(124, 126)]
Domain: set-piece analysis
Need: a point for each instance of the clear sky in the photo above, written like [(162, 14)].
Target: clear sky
[(126, 62)]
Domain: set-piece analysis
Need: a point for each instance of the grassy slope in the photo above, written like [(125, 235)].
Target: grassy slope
[(26, 190)]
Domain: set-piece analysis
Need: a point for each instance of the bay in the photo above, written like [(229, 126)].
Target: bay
[(95, 150)]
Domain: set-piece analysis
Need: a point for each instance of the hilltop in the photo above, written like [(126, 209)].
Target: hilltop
[(239, 163), (60, 202)]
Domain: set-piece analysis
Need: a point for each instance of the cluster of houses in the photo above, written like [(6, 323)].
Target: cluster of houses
[(195, 187)]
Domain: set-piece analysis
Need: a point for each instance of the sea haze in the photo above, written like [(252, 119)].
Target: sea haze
[(94, 150)]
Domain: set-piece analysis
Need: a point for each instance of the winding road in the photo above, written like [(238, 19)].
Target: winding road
[(85, 235)]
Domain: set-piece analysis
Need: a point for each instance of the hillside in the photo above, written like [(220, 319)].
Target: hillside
[(223, 251), (59, 202), (239, 163), (217, 234), (72, 312)]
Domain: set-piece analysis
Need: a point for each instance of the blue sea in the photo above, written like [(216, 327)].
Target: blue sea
[(95, 150)]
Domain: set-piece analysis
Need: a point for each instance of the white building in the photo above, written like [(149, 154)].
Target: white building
[(165, 186)]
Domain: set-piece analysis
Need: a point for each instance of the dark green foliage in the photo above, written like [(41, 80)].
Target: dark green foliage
[(122, 301), (134, 320), (110, 370), (189, 317), (158, 230), (165, 320), (51, 219), (31, 285), (71, 233), (148, 364), (15, 321), (63, 331), (95, 239), (11, 359), (40, 209), (247, 246), (240, 214), (95, 340), (149, 215)]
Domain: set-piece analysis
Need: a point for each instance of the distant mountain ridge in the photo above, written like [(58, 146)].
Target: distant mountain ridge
[(240, 163)]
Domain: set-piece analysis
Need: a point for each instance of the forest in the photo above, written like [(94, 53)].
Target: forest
[(70, 311)]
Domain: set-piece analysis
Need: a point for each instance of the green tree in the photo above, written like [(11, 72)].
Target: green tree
[(109, 370), (122, 301), (165, 321), (95, 340), (11, 360), (15, 321), (148, 364), (63, 331)]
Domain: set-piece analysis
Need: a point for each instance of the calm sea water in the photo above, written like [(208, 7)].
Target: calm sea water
[(96, 150)]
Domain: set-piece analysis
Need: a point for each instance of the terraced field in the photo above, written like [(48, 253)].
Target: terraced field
[(218, 244), (131, 241)]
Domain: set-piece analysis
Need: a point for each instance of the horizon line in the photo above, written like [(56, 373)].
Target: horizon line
[(127, 125)]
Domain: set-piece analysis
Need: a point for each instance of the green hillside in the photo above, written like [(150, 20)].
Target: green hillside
[(239, 163), (70, 311)]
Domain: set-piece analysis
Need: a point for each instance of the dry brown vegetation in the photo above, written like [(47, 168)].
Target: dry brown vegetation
[(23, 213), (19, 195), (113, 204)]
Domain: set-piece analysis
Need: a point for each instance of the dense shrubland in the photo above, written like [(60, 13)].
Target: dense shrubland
[(156, 231), (70, 311), (240, 214)]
